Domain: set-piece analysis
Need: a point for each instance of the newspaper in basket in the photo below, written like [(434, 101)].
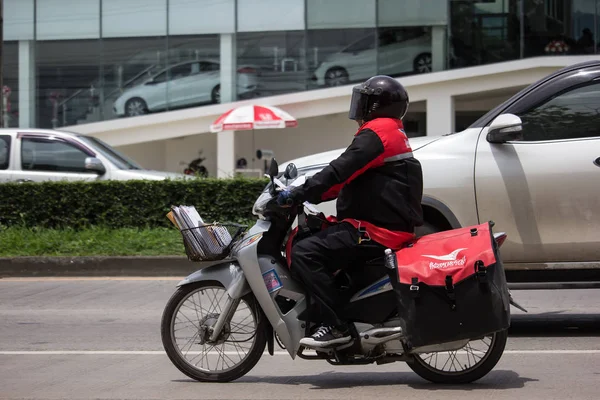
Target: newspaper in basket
[(204, 242)]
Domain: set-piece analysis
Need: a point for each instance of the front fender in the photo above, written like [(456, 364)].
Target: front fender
[(229, 274)]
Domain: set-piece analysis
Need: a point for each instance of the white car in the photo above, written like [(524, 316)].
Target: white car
[(36, 155), (530, 165), (400, 50), (182, 85)]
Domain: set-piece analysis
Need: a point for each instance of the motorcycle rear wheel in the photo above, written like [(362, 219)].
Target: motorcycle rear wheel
[(422, 365), (199, 320)]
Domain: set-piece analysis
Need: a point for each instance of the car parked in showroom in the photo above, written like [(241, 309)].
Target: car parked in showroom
[(36, 155), (182, 85), (530, 165), (399, 50)]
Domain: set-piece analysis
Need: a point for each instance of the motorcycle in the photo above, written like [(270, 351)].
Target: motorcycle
[(216, 325), (196, 167)]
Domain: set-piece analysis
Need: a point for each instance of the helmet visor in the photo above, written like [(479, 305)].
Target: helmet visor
[(358, 104)]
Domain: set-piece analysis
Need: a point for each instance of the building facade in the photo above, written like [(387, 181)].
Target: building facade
[(130, 71)]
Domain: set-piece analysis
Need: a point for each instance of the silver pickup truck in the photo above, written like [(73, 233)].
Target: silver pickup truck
[(35, 155)]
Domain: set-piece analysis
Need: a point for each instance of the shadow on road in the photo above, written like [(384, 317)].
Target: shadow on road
[(499, 380), (555, 324)]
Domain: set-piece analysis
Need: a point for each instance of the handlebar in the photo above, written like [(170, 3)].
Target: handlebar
[(290, 202)]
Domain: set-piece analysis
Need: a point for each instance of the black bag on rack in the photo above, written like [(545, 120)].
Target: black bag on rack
[(451, 286)]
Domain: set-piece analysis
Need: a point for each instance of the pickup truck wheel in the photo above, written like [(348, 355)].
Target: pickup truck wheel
[(426, 229)]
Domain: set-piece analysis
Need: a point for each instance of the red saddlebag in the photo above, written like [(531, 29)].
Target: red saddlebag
[(450, 286)]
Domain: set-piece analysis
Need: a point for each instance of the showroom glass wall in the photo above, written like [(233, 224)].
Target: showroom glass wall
[(70, 62)]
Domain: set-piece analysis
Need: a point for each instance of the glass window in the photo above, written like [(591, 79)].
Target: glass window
[(162, 77), (364, 44), (482, 33), (41, 154), (128, 64), (570, 115), (340, 56), (68, 82), (195, 68), (280, 59), (546, 28), (404, 50), (208, 66), (585, 26), (10, 65), (180, 71), (4, 151), (194, 48), (116, 157)]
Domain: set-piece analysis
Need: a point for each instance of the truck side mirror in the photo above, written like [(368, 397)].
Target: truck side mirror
[(504, 128), (95, 165)]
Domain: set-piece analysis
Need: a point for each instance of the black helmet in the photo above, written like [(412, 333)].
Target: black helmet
[(379, 97)]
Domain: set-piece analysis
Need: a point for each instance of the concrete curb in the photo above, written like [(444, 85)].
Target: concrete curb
[(97, 266)]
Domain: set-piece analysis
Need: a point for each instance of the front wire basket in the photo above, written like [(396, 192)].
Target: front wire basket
[(211, 242)]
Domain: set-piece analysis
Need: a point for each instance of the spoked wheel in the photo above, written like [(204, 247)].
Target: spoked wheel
[(135, 107), (187, 325), (422, 63), (336, 76), (466, 365)]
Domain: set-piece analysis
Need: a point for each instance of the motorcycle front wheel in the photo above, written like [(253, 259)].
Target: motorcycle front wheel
[(186, 327), (475, 360)]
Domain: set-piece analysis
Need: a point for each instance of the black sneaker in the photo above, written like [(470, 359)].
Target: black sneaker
[(326, 336)]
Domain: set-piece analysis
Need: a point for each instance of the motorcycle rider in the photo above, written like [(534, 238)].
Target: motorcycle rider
[(378, 185)]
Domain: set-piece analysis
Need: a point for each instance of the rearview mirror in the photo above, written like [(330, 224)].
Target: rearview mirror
[(505, 128), (273, 169), (95, 165), (291, 172)]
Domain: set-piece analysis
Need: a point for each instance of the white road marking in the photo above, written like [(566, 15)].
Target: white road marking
[(277, 353)]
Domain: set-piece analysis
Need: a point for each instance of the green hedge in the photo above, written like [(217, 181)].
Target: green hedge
[(121, 204)]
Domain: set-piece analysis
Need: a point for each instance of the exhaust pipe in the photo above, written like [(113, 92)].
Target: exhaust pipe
[(377, 336)]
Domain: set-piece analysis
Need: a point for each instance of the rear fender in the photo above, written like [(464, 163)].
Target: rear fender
[(229, 274)]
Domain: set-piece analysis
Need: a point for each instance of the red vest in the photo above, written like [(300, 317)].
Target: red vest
[(396, 146)]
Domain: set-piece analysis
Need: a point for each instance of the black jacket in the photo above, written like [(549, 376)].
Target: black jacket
[(376, 179)]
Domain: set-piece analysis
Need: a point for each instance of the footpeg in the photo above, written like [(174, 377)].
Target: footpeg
[(377, 336)]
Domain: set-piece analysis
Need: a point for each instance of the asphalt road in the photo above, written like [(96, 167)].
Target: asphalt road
[(100, 339)]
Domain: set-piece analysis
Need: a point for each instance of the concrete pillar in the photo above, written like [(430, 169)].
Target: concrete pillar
[(440, 115), (27, 86), (438, 48), (225, 139)]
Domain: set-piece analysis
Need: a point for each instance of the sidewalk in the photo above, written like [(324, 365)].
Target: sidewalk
[(97, 266)]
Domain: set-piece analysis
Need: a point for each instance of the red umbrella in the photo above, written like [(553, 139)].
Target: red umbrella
[(251, 117)]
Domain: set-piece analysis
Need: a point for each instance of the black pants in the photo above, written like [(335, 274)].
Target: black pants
[(317, 257)]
